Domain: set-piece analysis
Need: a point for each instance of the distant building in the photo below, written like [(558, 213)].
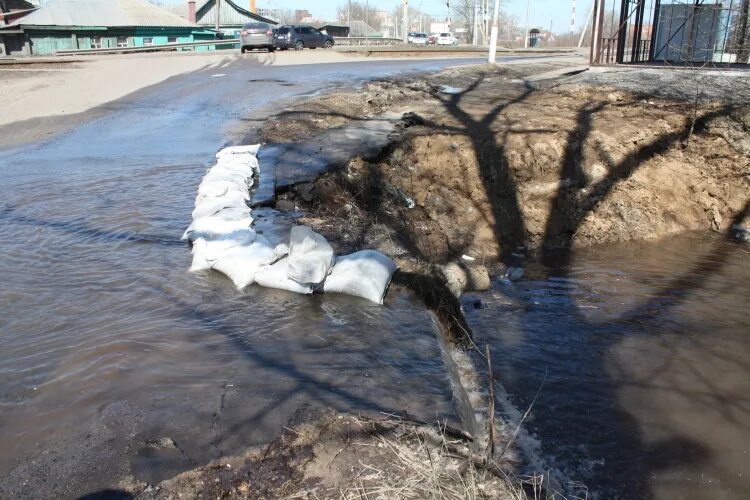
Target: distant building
[(231, 15), (301, 16), (92, 24)]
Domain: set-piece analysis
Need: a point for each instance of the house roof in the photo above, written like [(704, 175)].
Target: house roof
[(231, 13), (114, 13)]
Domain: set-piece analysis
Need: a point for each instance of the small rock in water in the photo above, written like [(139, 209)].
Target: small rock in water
[(514, 273), (741, 233)]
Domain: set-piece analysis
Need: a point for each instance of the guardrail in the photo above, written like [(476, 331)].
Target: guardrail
[(361, 40), (227, 44)]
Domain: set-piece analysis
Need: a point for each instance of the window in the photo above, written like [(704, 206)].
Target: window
[(122, 41), (306, 31), (148, 41), (255, 26), (283, 31), (172, 39), (96, 42)]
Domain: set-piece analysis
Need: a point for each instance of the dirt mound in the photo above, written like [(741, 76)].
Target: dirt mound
[(497, 165)]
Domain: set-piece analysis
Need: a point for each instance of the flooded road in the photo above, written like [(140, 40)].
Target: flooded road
[(642, 353), (108, 344)]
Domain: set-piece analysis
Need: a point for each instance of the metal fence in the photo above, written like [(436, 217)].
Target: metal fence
[(671, 32), (218, 44)]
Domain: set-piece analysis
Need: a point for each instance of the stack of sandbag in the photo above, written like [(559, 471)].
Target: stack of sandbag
[(312, 266), (221, 231), (223, 240)]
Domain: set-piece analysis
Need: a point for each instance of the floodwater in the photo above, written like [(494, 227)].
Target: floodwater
[(108, 344), (642, 354)]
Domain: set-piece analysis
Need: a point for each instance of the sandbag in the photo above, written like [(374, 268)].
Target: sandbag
[(310, 256), (212, 206), (275, 276), (212, 226), (241, 263), (220, 188), (216, 175), (207, 251), (365, 274), (251, 150)]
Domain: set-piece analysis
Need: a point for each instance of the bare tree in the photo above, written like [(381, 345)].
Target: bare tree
[(360, 12)]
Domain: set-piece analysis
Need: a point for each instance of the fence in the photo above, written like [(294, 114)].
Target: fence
[(224, 44), (674, 32)]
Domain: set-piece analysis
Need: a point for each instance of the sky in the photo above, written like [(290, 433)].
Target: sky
[(541, 11)]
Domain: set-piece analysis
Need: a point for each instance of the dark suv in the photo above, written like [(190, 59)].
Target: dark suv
[(299, 37)]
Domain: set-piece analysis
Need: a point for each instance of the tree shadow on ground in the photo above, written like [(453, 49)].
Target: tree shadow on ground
[(568, 211)]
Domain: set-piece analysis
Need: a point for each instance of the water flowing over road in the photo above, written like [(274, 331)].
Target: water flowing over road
[(108, 343)]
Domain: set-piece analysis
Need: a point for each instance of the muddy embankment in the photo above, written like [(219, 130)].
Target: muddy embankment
[(494, 164)]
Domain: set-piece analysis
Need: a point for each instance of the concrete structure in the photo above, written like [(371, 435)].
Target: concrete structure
[(90, 24), (231, 15)]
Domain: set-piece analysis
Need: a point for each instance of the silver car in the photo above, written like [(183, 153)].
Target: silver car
[(256, 36)]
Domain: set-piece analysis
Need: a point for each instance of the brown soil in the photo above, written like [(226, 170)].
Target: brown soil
[(509, 165), (343, 456)]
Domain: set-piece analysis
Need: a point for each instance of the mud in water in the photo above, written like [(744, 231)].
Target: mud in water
[(641, 351)]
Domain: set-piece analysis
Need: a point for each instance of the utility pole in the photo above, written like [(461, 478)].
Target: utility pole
[(493, 33), (218, 15), (526, 33), (349, 16), (586, 26), (405, 22), (367, 22)]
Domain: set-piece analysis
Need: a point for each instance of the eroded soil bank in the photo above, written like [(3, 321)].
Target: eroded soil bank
[(344, 456), (489, 162)]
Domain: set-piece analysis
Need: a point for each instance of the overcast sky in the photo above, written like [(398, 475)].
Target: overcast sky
[(541, 11)]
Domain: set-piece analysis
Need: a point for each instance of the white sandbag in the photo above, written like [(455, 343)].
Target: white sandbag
[(212, 206), (217, 175), (233, 199), (281, 250), (310, 256), (238, 165), (212, 226), (208, 251), (238, 150), (241, 263), (365, 274), (220, 188), (275, 276)]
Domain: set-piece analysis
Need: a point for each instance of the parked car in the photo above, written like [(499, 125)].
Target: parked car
[(432, 39), (299, 37), (256, 36), (410, 37), (447, 39), (419, 39)]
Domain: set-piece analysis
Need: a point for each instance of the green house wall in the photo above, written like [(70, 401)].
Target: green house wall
[(45, 42)]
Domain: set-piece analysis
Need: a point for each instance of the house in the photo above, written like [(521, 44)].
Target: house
[(231, 15), (92, 24), (12, 10)]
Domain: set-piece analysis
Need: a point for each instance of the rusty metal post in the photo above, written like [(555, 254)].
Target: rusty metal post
[(622, 32), (595, 35)]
